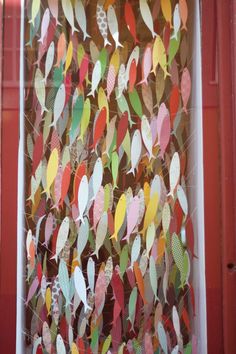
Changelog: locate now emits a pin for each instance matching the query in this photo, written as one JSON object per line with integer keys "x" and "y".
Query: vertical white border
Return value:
{"x": 20, "y": 202}
{"x": 196, "y": 185}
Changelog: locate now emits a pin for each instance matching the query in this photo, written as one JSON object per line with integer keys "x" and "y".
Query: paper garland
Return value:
{"x": 109, "y": 241}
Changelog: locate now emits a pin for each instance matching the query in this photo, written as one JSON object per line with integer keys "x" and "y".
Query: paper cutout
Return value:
{"x": 109, "y": 240}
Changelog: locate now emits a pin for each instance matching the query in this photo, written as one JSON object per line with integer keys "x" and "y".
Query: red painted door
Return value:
{"x": 10, "y": 23}
{"x": 219, "y": 165}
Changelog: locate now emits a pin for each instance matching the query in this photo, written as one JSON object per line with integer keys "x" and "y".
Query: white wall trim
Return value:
{"x": 20, "y": 202}
{"x": 196, "y": 190}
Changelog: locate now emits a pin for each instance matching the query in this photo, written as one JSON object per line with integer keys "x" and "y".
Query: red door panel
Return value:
{"x": 219, "y": 162}
{"x": 9, "y": 157}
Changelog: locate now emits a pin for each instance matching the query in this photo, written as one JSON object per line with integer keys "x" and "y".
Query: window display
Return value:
{"x": 109, "y": 239}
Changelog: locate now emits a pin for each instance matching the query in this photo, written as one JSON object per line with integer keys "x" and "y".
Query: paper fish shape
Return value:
{"x": 44, "y": 25}
{"x": 39, "y": 85}
{"x": 69, "y": 14}
{"x": 62, "y": 237}
{"x": 185, "y": 88}
{"x": 102, "y": 22}
{"x": 177, "y": 21}
{"x": 96, "y": 77}
{"x": 59, "y": 104}
{"x": 183, "y": 9}
{"x": 166, "y": 10}
{"x": 135, "y": 251}
{"x": 136, "y": 149}
{"x": 174, "y": 174}
{"x": 147, "y": 136}
{"x": 146, "y": 64}
{"x": 49, "y": 60}
{"x": 81, "y": 18}
{"x": 113, "y": 25}
{"x": 147, "y": 16}
{"x": 130, "y": 21}
{"x": 119, "y": 215}
{"x": 82, "y": 197}
{"x": 35, "y": 7}
{"x": 80, "y": 287}
{"x": 53, "y": 6}
{"x": 101, "y": 233}
{"x": 51, "y": 170}
{"x": 61, "y": 49}
{"x": 159, "y": 56}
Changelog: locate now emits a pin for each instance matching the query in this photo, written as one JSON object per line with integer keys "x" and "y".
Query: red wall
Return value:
{"x": 219, "y": 164}
{"x": 9, "y": 150}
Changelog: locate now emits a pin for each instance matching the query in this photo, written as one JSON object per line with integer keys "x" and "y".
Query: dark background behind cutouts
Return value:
{"x": 180, "y": 140}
